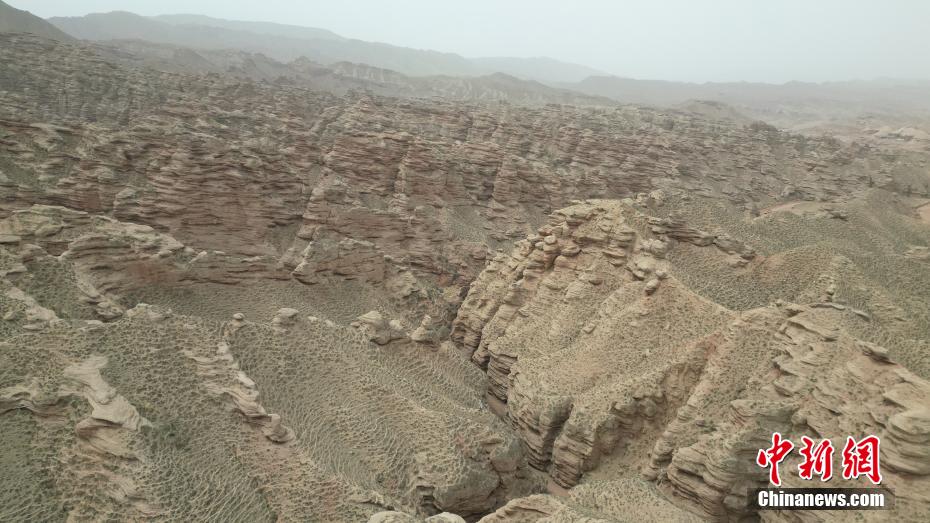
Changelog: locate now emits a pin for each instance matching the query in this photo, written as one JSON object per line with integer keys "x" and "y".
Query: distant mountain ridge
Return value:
{"x": 341, "y": 77}
{"x": 271, "y": 28}
{"x": 269, "y": 51}
{"x": 288, "y": 42}
{"x": 842, "y": 107}
{"x": 542, "y": 69}
{"x": 210, "y": 45}
{"x": 662, "y": 92}
{"x": 17, "y": 20}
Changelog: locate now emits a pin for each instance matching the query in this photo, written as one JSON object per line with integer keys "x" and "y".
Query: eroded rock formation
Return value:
{"x": 600, "y": 358}
{"x": 343, "y": 287}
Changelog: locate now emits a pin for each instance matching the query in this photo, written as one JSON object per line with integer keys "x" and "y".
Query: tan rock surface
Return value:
{"x": 344, "y": 290}
{"x": 607, "y": 364}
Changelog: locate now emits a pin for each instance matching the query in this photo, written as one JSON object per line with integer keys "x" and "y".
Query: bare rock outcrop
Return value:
{"x": 403, "y": 517}
{"x": 577, "y": 295}
{"x": 594, "y": 502}
{"x": 379, "y": 329}
{"x": 631, "y": 342}
{"x": 223, "y": 378}
{"x": 371, "y": 182}
{"x": 104, "y": 450}
{"x": 601, "y": 357}
{"x": 785, "y": 370}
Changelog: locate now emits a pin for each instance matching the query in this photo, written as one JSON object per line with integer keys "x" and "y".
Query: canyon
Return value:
{"x": 236, "y": 297}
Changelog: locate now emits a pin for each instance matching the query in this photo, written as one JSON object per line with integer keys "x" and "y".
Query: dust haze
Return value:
{"x": 707, "y": 41}
{"x": 435, "y": 262}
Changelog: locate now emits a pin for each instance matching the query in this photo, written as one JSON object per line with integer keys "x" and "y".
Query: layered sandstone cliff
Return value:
{"x": 607, "y": 365}
{"x": 341, "y": 287}
{"x": 260, "y": 171}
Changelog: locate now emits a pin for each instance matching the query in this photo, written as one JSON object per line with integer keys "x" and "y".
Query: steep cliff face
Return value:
{"x": 607, "y": 365}
{"x": 153, "y": 414}
{"x": 790, "y": 369}
{"x": 259, "y": 170}
{"x": 609, "y": 278}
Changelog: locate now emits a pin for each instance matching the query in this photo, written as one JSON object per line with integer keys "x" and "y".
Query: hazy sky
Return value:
{"x": 696, "y": 40}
